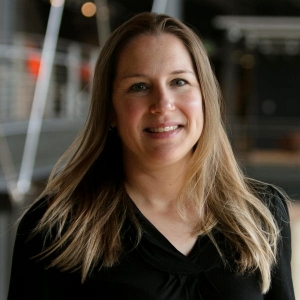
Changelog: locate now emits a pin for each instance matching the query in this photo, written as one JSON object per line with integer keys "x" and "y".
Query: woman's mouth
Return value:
{"x": 161, "y": 129}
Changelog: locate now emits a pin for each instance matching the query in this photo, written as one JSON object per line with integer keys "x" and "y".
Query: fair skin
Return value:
{"x": 159, "y": 117}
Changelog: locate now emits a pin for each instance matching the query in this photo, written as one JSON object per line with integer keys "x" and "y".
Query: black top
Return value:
{"x": 154, "y": 270}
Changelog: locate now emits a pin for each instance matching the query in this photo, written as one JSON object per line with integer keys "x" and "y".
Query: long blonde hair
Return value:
{"x": 87, "y": 201}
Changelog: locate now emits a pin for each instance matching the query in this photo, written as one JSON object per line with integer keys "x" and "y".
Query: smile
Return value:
{"x": 162, "y": 129}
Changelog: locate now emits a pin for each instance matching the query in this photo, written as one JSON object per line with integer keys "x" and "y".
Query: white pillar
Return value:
{"x": 40, "y": 97}
{"x": 169, "y": 7}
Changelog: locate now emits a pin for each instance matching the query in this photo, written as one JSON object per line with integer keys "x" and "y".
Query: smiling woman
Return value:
{"x": 149, "y": 202}
{"x": 157, "y": 104}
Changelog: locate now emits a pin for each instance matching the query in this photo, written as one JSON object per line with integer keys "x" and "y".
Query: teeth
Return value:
{"x": 163, "y": 129}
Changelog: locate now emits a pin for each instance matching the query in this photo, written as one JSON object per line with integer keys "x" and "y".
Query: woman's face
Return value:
{"x": 157, "y": 102}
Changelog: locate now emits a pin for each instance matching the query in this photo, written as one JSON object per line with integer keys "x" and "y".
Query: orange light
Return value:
{"x": 33, "y": 64}
{"x": 85, "y": 72}
{"x": 88, "y": 9}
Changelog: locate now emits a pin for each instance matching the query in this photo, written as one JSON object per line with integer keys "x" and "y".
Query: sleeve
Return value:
{"x": 281, "y": 280}
{"x": 30, "y": 276}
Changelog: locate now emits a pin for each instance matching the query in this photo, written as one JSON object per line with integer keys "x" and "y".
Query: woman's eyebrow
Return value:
{"x": 135, "y": 75}
{"x": 138, "y": 75}
{"x": 183, "y": 71}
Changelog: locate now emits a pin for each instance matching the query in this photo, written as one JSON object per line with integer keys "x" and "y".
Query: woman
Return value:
{"x": 149, "y": 203}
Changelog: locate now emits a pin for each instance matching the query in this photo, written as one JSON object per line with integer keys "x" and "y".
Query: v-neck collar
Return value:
{"x": 159, "y": 252}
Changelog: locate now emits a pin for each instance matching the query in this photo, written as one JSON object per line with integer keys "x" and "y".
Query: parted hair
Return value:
{"x": 88, "y": 204}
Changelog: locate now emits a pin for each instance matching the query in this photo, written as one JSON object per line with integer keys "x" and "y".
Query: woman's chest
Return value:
{"x": 138, "y": 277}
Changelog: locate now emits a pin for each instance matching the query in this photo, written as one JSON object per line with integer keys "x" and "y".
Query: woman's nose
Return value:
{"x": 162, "y": 102}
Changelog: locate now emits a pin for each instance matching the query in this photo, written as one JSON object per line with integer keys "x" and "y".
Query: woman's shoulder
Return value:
{"x": 32, "y": 215}
{"x": 274, "y": 198}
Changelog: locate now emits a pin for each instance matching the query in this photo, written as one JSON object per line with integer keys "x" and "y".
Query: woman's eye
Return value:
{"x": 138, "y": 87}
{"x": 179, "y": 82}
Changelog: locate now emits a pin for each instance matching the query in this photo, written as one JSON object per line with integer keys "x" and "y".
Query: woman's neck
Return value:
{"x": 156, "y": 188}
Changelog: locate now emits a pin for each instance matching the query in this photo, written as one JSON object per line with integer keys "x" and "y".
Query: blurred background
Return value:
{"x": 47, "y": 54}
